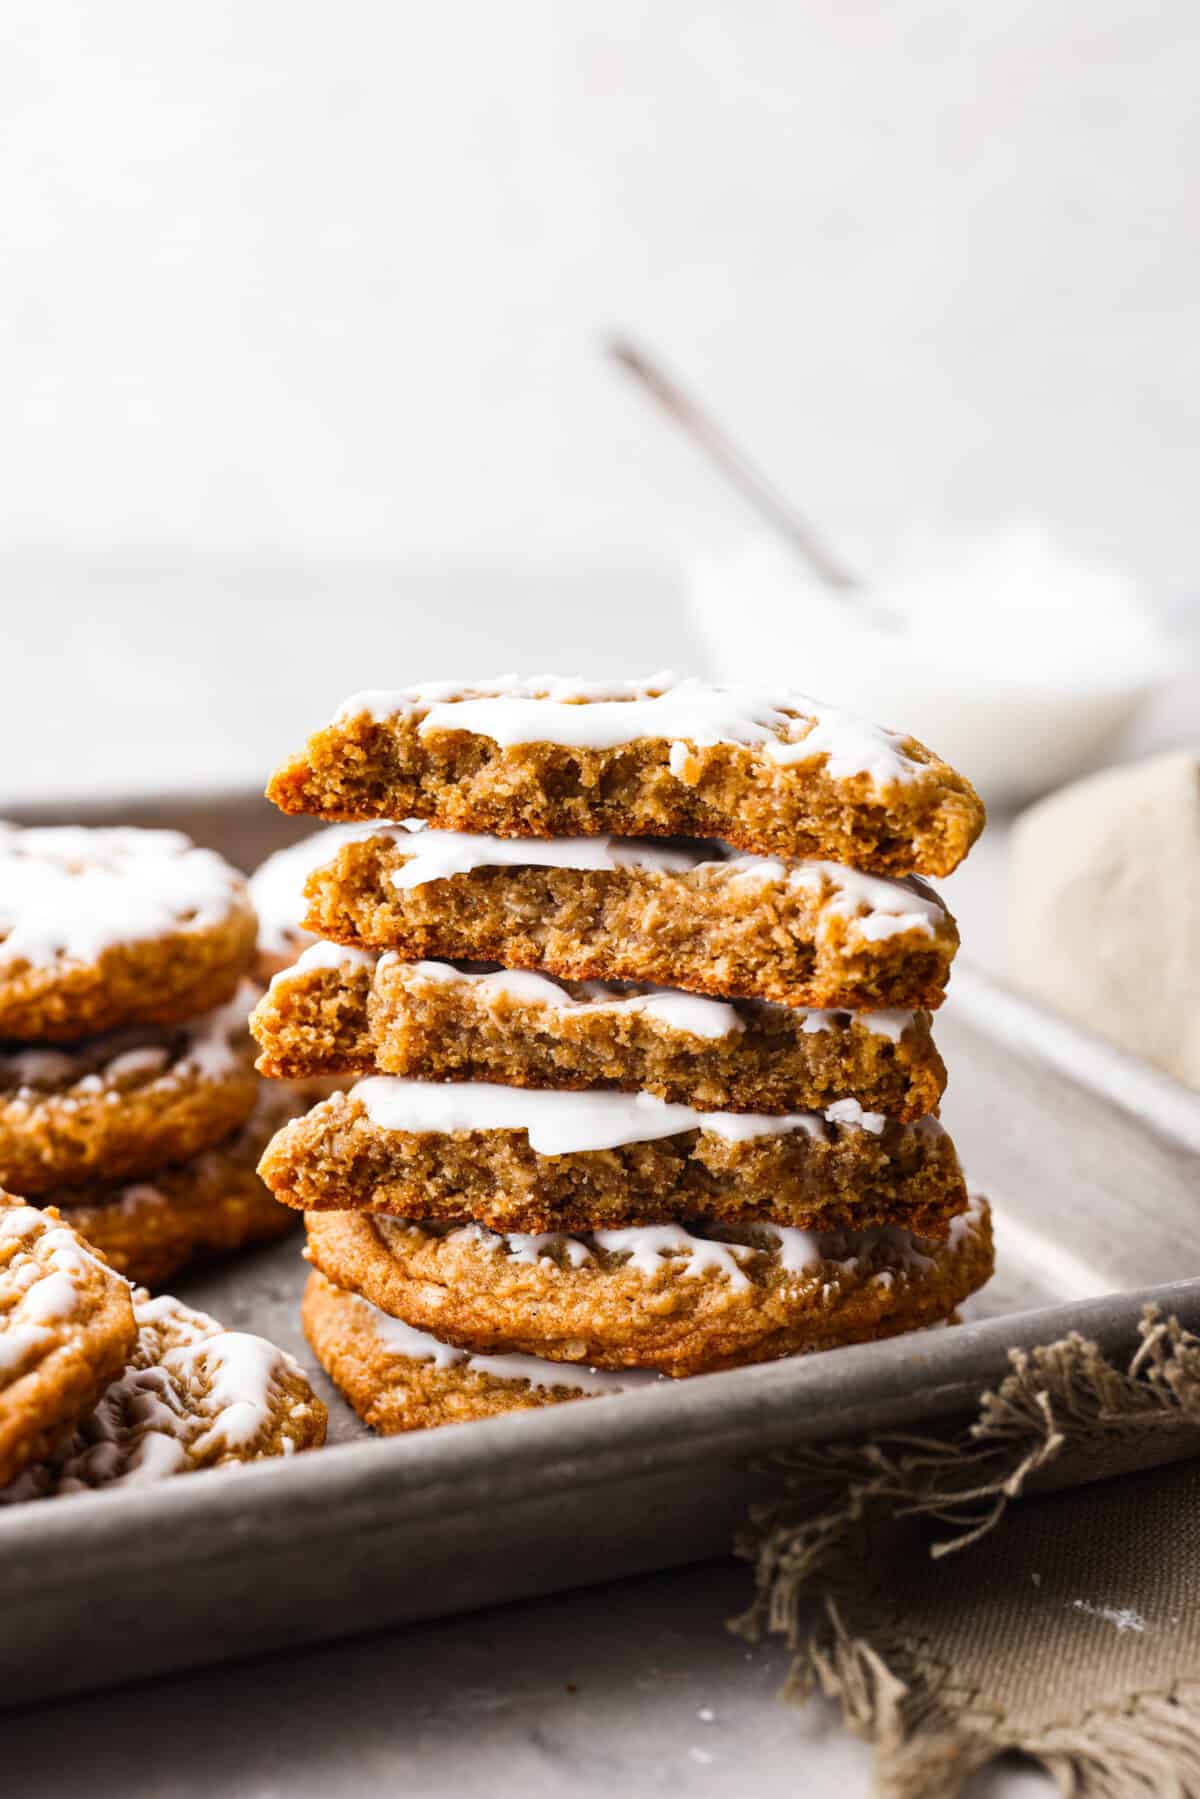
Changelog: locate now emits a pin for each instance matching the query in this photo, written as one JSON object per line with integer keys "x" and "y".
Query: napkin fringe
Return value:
{"x": 1063, "y": 1416}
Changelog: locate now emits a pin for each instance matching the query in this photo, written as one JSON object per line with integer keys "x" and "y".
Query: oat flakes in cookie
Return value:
{"x": 342, "y": 1010}
{"x": 192, "y": 1211}
{"x": 126, "y": 1102}
{"x": 693, "y": 915}
{"x": 66, "y": 1330}
{"x": 678, "y": 1299}
{"x": 777, "y": 773}
{"x": 529, "y": 1160}
{"x": 277, "y": 895}
{"x": 400, "y": 1379}
{"x": 192, "y": 1395}
{"x": 102, "y": 929}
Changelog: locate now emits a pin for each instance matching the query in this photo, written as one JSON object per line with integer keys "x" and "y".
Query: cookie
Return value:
{"x": 682, "y": 1301}
{"x": 101, "y": 929}
{"x": 277, "y": 895}
{"x": 519, "y": 1159}
{"x": 198, "y": 1209}
{"x": 191, "y": 1396}
{"x": 345, "y": 1010}
{"x": 66, "y": 1330}
{"x": 126, "y": 1102}
{"x": 399, "y": 1379}
{"x": 689, "y": 915}
{"x": 777, "y": 774}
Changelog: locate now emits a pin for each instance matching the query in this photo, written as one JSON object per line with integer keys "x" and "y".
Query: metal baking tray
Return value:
{"x": 1092, "y": 1161}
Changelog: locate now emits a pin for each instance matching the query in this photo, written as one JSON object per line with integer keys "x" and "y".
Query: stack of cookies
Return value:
{"x": 639, "y": 995}
{"x": 128, "y": 1096}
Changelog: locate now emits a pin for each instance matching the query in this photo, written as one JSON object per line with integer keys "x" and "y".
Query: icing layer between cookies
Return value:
{"x": 880, "y": 907}
{"x": 691, "y": 1013}
{"x": 789, "y": 727}
{"x": 414, "y": 1345}
{"x": 277, "y": 885}
{"x": 560, "y": 1124}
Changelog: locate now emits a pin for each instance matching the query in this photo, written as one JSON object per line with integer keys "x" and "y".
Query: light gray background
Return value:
{"x": 279, "y": 276}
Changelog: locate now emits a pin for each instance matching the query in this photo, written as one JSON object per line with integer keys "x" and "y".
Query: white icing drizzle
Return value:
{"x": 19, "y": 1343}
{"x": 330, "y": 955}
{"x": 691, "y": 1013}
{"x": 69, "y": 892}
{"x": 538, "y": 1372}
{"x": 966, "y": 1224}
{"x": 790, "y": 727}
{"x": 243, "y": 1386}
{"x": 44, "y": 1273}
{"x": 647, "y": 1246}
{"x": 439, "y": 855}
{"x": 572, "y": 1123}
{"x": 192, "y": 1392}
{"x": 879, "y": 907}
{"x": 526, "y": 1247}
{"x": 277, "y": 885}
{"x": 686, "y": 1254}
{"x": 209, "y": 1046}
{"x": 687, "y": 1012}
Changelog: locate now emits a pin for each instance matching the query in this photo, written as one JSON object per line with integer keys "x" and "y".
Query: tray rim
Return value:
{"x": 738, "y": 1416}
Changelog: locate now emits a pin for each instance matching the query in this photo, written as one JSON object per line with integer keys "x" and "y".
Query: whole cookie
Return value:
{"x": 204, "y": 1207}
{"x": 66, "y": 1328}
{"x": 100, "y": 929}
{"x": 684, "y": 1301}
{"x": 400, "y": 1379}
{"x": 126, "y": 1102}
{"x": 192, "y": 1396}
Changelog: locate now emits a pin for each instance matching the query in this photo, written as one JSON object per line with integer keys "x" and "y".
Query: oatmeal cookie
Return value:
{"x": 520, "y": 1159}
{"x": 776, "y": 774}
{"x": 100, "y": 929}
{"x": 682, "y": 1301}
{"x": 341, "y": 1010}
{"x": 195, "y": 1210}
{"x": 277, "y": 895}
{"x": 127, "y": 1102}
{"x": 66, "y": 1330}
{"x": 688, "y": 915}
{"x": 400, "y": 1379}
{"x": 191, "y": 1396}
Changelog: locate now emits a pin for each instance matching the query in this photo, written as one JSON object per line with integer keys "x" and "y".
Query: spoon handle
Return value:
{"x": 734, "y": 464}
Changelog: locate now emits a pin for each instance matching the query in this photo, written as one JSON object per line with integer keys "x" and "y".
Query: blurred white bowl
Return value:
{"x": 1017, "y": 662}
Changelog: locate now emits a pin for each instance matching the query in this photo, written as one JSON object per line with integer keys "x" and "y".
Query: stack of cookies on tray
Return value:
{"x": 128, "y": 1096}
{"x": 638, "y": 991}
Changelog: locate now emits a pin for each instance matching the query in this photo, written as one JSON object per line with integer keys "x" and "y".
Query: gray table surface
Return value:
{"x": 634, "y": 1688}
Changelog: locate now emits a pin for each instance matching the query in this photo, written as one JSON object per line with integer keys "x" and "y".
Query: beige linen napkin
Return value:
{"x": 1104, "y": 907}
{"x": 953, "y": 1623}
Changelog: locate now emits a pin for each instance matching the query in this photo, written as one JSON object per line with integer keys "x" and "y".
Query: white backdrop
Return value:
{"x": 287, "y": 276}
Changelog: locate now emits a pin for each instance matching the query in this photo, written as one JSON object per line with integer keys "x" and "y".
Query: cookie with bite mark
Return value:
{"x": 776, "y": 773}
